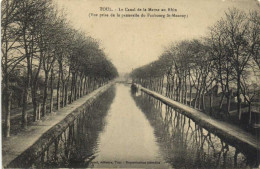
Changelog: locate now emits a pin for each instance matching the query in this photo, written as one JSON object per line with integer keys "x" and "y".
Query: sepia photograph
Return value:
{"x": 138, "y": 84}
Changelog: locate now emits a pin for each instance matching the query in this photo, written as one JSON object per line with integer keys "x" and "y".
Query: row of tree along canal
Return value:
{"x": 42, "y": 52}
{"x": 218, "y": 74}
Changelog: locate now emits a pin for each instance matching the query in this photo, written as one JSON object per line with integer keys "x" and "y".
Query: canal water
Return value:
{"x": 122, "y": 129}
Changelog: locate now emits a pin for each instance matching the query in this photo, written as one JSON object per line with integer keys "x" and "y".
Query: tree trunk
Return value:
{"x": 66, "y": 95}
{"x": 25, "y": 99}
{"x": 211, "y": 100}
{"x": 185, "y": 89}
{"x": 162, "y": 85}
{"x": 190, "y": 95}
{"x": 250, "y": 113}
{"x": 196, "y": 99}
{"x": 172, "y": 88}
{"x": 8, "y": 96}
{"x": 86, "y": 85}
{"x": 179, "y": 91}
{"x": 182, "y": 90}
{"x": 176, "y": 89}
{"x": 34, "y": 79}
{"x": 228, "y": 102}
{"x": 190, "y": 89}
{"x": 167, "y": 87}
{"x": 6, "y": 92}
{"x": 81, "y": 86}
{"x": 72, "y": 88}
{"x": 221, "y": 101}
{"x": 75, "y": 87}
{"x": 51, "y": 85}
{"x": 58, "y": 89}
{"x": 94, "y": 84}
{"x": 199, "y": 101}
{"x": 45, "y": 94}
{"x": 24, "y": 110}
{"x": 89, "y": 85}
{"x": 238, "y": 97}
{"x": 38, "y": 115}
{"x": 203, "y": 101}
{"x": 63, "y": 94}
{"x": 34, "y": 99}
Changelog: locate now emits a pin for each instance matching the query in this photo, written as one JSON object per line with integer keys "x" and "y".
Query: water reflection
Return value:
{"x": 128, "y": 139}
{"x": 184, "y": 144}
{"x": 106, "y": 135}
{"x": 124, "y": 130}
{"x": 76, "y": 146}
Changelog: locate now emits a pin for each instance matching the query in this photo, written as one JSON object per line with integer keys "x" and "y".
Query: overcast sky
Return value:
{"x": 133, "y": 42}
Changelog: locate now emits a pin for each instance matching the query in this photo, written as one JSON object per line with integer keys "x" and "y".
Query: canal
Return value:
{"x": 122, "y": 129}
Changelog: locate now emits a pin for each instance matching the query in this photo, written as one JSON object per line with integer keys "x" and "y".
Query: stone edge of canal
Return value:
{"x": 245, "y": 142}
{"x": 26, "y": 158}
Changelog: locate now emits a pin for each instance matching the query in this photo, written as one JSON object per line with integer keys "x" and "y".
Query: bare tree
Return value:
{"x": 236, "y": 29}
{"x": 222, "y": 64}
{"x": 11, "y": 54}
{"x": 254, "y": 36}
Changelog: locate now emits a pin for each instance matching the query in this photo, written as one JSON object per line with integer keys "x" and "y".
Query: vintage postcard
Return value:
{"x": 130, "y": 84}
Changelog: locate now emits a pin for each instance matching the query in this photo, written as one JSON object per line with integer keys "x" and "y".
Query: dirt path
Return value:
{"x": 13, "y": 146}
